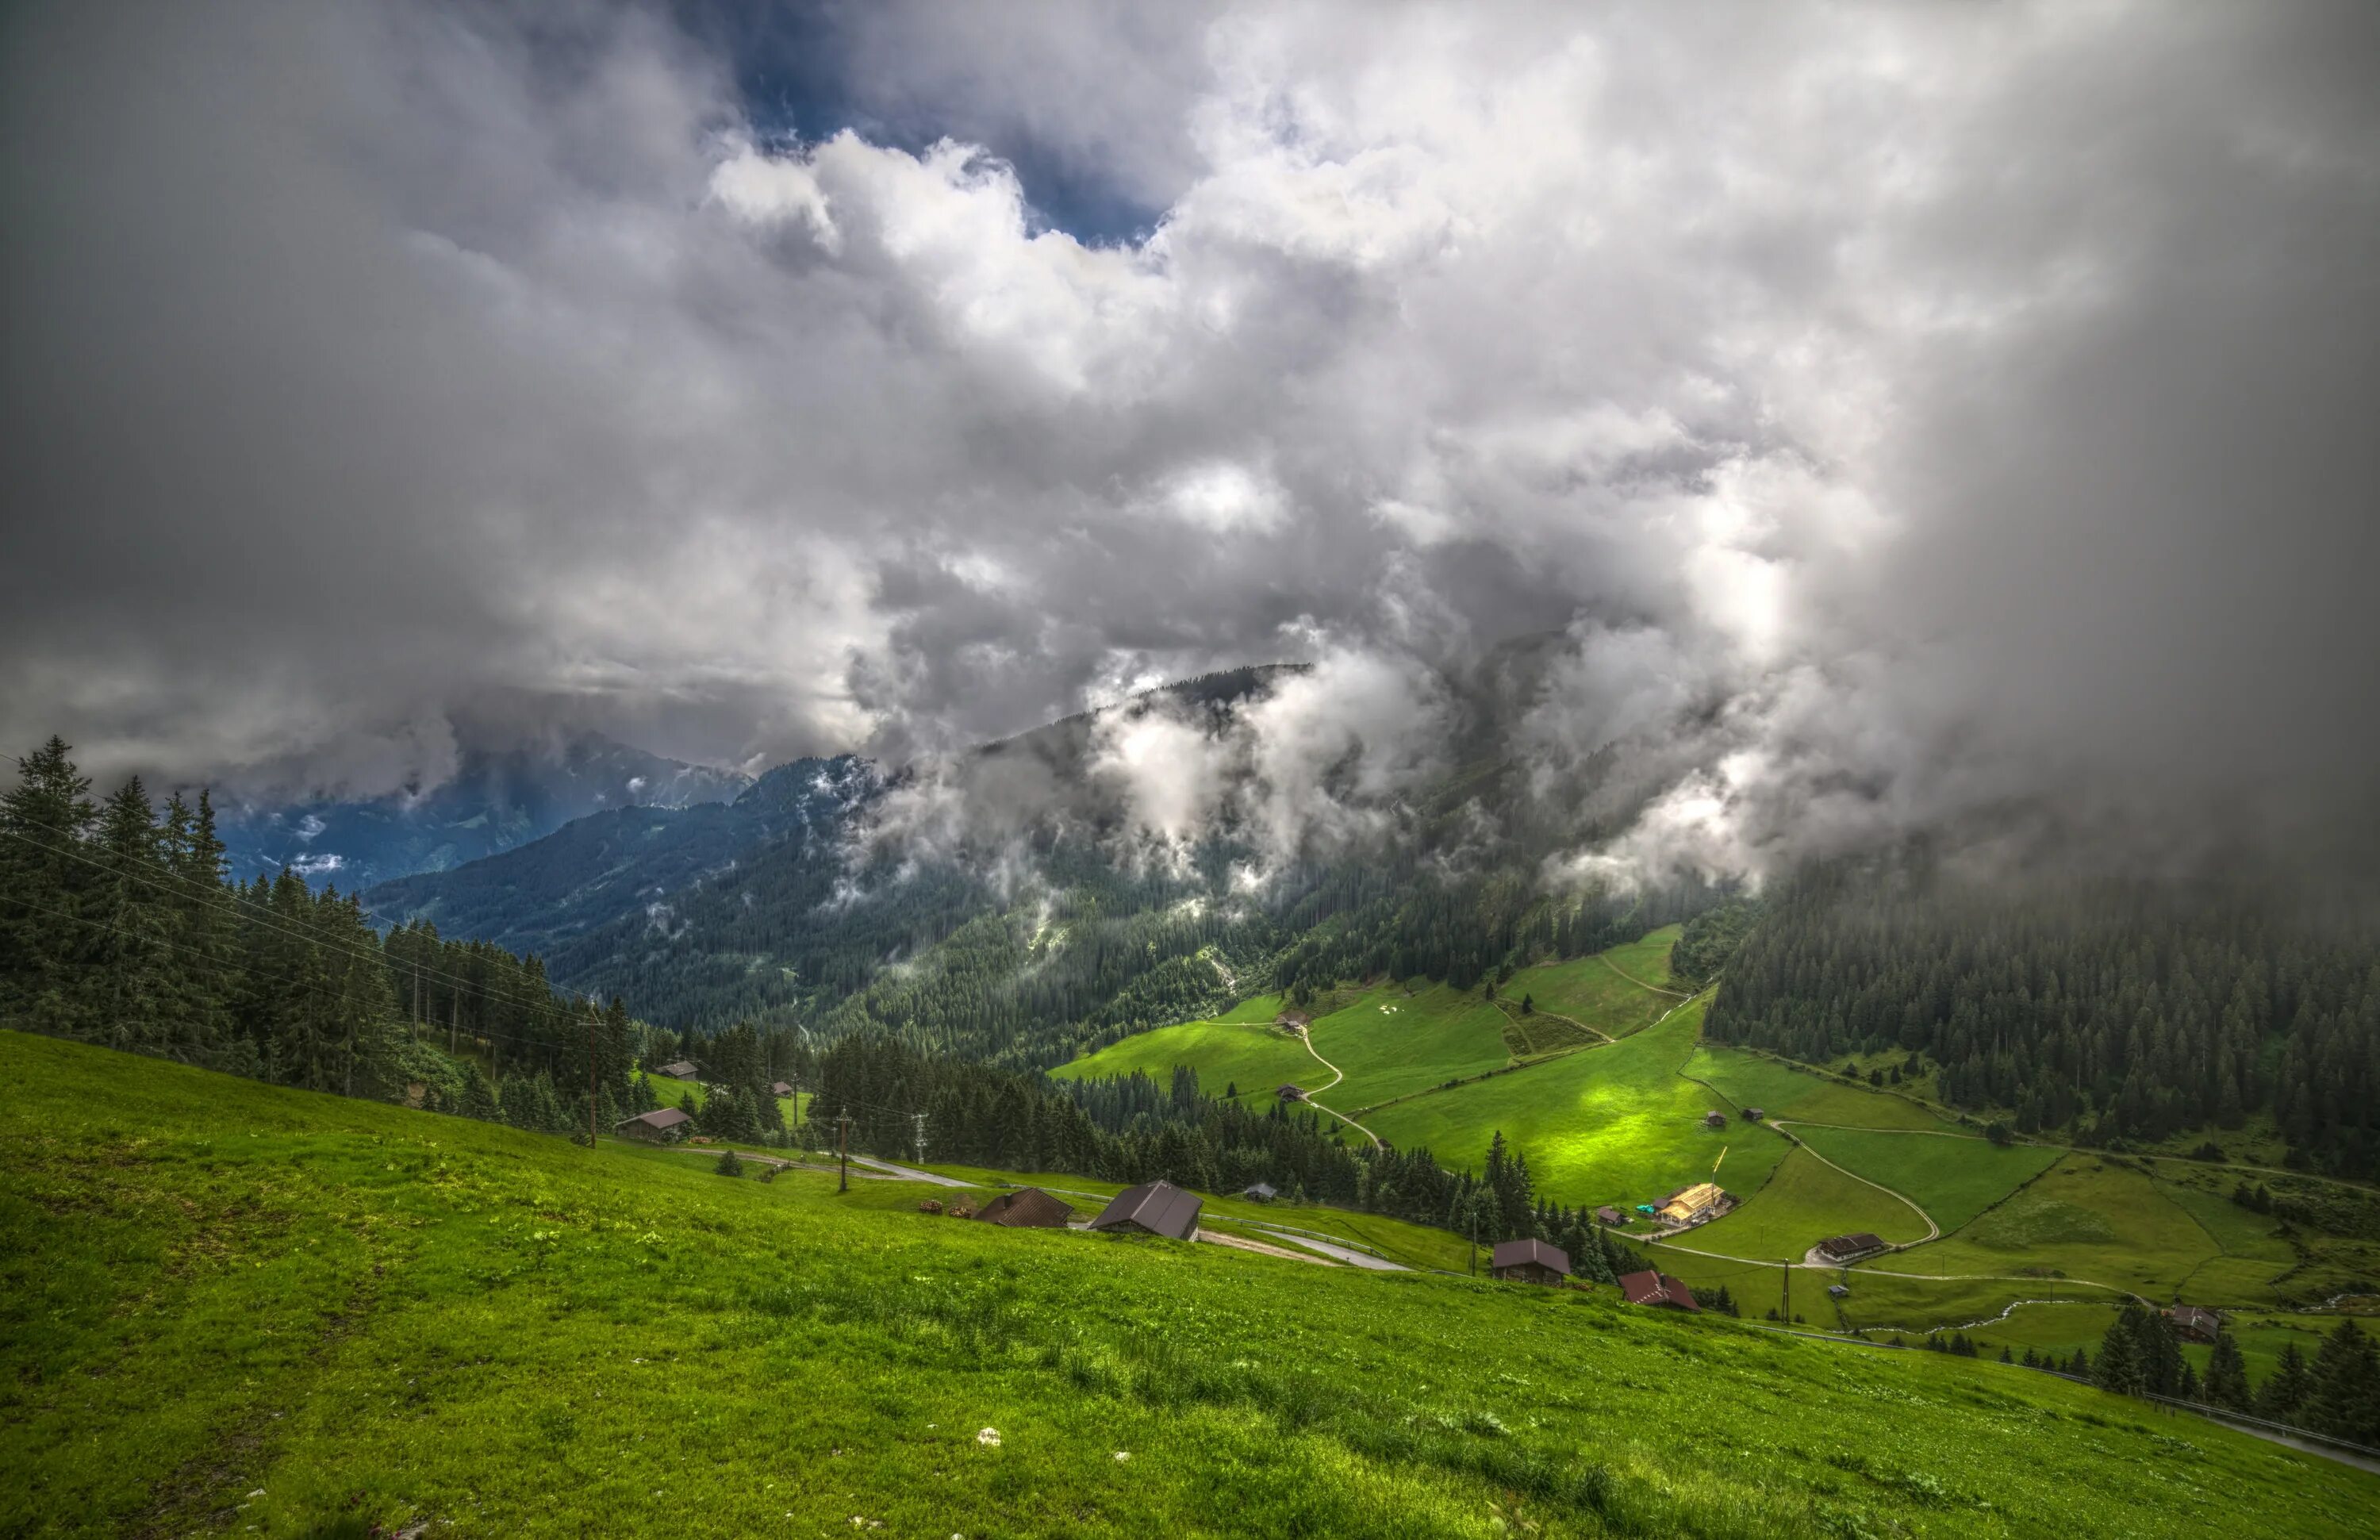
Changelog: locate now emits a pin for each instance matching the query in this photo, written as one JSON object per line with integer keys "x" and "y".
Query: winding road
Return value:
{"x": 1336, "y": 1074}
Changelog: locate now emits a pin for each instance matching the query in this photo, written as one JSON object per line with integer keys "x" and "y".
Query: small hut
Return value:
{"x": 1263, "y": 1191}
{"x": 1714, "y": 1119}
{"x": 664, "y": 1126}
{"x": 1291, "y": 1092}
{"x": 1752, "y": 1114}
{"x": 1028, "y": 1208}
{"x": 1607, "y": 1215}
{"x": 683, "y": 1070}
{"x": 780, "y": 1088}
{"x": 1847, "y": 1248}
{"x": 1649, "y": 1288}
{"x": 1528, "y": 1261}
{"x": 1152, "y": 1208}
{"x": 2194, "y": 1323}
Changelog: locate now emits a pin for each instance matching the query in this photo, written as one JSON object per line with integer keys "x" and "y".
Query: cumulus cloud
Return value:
{"x": 1892, "y": 413}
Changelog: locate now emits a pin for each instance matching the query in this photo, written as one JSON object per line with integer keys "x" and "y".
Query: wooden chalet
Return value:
{"x": 1846, "y": 1248}
{"x": 1528, "y": 1261}
{"x": 2194, "y": 1323}
{"x": 683, "y": 1070}
{"x": 1263, "y": 1191}
{"x": 1658, "y": 1289}
{"x": 1689, "y": 1204}
{"x": 1714, "y": 1119}
{"x": 1607, "y": 1215}
{"x": 1753, "y": 1114}
{"x": 1028, "y": 1208}
{"x": 780, "y": 1088}
{"x": 1293, "y": 1021}
{"x": 664, "y": 1126}
{"x": 1153, "y": 1208}
{"x": 1291, "y": 1092}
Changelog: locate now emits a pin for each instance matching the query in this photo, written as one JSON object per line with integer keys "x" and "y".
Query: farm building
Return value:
{"x": 1658, "y": 1289}
{"x": 780, "y": 1088}
{"x": 1028, "y": 1208}
{"x": 1528, "y": 1261}
{"x": 1714, "y": 1119}
{"x": 1263, "y": 1191}
{"x": 1609, "y": 1216}
{"x": 1293, "y": 1021}
{"x": 1154, "y": 1208}
{"x": 661, "y": 1127}
{"x": 2194, "y": 1323}
{"x": 1843, "y": 1248}
{"x": 1292, "y": 1093}
{"x": 1752, "y": 1114}
{"x": 1838, "y": 1291}
{"x": 1689, "y": 1204}
{"x": 682, "y": 1070}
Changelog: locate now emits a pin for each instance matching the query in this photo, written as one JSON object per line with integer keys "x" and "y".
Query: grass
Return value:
{"x": 1613, "y": 1124}
{"x": 1591, "y": 990}
{"x": 1255, "y": 1058}
{"x": 1953, "y": 1179}
{"x": 1391, "y": 1044}
{"x": 235, "y": 1308}
{"x": 1779, "y": 1090}
{"x": 1804, "y": 1201}
{"x": 2086, "y": 1219}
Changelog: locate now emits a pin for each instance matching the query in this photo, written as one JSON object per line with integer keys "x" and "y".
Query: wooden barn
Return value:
{"x": 1607, "y": 1215}
{"x": 1153, "y": 1208}
{"x": 1028, "y": 1208}
{"x": 1714, "y": 1119}
{"x": 1263, "y": 1191}
{"x": 682, "y": 1070}
{"x": 780, "y": 1088}
{"x": 1658, "y": 1289}
{"x": 2194, "y": 1323}
{"x": 1846, "y": 1248}
{"x": 665, "y": 1126}
{"x": 1528, "y": 1261}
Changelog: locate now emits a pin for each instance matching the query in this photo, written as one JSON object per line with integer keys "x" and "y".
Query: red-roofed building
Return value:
{"x": 1658, "y": 1289}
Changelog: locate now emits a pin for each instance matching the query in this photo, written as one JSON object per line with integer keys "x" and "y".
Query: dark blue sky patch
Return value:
{"x": 790, "y": 65}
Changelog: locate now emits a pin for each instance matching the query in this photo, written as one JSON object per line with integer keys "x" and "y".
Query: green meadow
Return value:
{"x": 1256, "y": 1057}
{"x": 1779, "y": 1090}
{"x": 1804, "y": 1201}
{"x": 1615, "y": 1124}
{"x": 233, "y": 1308}
{"x": 1952, "y": 1179}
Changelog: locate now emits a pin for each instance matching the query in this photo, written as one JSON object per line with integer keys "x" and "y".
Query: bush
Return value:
{"x": 729, "y": 1164}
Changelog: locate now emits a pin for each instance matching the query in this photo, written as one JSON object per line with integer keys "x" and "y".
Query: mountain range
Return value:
{"x": 501, "y": 796}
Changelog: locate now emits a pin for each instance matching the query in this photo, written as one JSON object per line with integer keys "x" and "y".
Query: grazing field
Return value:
{"x": 1781, "y": 1091}
{"x": 1613, "y": 1124}
{"x": 1953, "y": 1179}
{"x": 1254, "y": 1056}
{"x": 1391, "y": 1046}
{"x": 236, "y": 1308}
{"x": 1804, "y": 1201}
{"x": 1593, "y": 991}
{"x": 2084, "y": 1218}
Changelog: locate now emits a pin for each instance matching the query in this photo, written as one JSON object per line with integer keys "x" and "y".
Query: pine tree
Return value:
{"x": 2227, "y": 1373}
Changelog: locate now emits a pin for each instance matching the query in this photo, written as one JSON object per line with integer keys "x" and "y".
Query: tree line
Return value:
{"x": 2115, "y": 1011}
{"x": 2336, "y": 1393}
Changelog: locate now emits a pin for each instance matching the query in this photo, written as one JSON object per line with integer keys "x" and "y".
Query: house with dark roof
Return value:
{"x": 1293, "y": 1021}
{"x": 1846, "y": 1248}
{"x": 2194, "y": 1323}
{"x": 664, "y": 1126}
{"x": 1028, "y": 1208}
{"x": 1658, "y": 1289}
{"x": 1153, "y": 1208}
{"x": 1607, "y": 1215}
{"x": 1263, "y": 1191}
{"x": 1752, "y": 1114}
{"x": 780, "y": 1087}
{"x": 682, "y": 1070}
{"x": 1714, "y": 1119}
{"x": 1528, "y": 1261}
{"x": 1291, "y": 1092}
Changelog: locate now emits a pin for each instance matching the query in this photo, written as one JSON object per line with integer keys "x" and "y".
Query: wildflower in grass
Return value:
{"x": 1122, "y": 1455}
{"x": 989, "y": 1437}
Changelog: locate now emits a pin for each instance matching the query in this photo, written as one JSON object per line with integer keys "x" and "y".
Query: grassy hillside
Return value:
{"x": 233, "y": 1308}
{"x": 1614, "y": 1124}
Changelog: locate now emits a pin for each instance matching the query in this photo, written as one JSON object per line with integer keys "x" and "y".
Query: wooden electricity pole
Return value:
{"x": 591, "y": 1018}
{"x": 1787, "y": 1269}
{"x": 843, "y": 1150}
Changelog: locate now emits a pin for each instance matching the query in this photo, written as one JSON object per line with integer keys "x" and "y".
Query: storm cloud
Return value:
{"x": 1897, "y": 412}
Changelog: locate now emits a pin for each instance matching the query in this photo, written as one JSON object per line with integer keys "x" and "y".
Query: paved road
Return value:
{"x": 1348, "y": 1255}
{"x": 907, "y": 1173}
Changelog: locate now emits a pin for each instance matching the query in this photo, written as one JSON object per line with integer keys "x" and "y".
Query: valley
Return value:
{"x": 285, "y": 1311}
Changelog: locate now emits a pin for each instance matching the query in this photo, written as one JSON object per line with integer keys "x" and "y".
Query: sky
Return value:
{"x": 1893, "y": 410}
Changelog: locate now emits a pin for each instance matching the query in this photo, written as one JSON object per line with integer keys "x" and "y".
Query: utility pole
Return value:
{"x": 918, "y": 1120}
{"x": 843, "y": 1150}
{"x": 591, "y": 1018}
{"x": 1786, "y": 1268}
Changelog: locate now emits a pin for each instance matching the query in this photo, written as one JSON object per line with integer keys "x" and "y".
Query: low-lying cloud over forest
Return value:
{"x": 1899, "y": 412}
